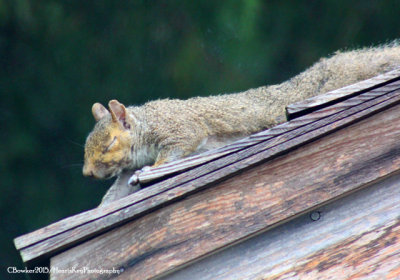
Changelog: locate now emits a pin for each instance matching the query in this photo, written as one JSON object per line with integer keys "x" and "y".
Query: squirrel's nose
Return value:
{"x": 87, "y": 171}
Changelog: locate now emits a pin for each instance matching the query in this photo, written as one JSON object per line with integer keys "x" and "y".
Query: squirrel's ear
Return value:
{"x": 118, "y": 112}
{"x": 99, "y": 111}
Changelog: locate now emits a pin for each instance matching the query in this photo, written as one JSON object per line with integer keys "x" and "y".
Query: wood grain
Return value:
{"x": 356, "y": 237}
{"x": 69, "y": 232}
{"x": 250, "y": 202}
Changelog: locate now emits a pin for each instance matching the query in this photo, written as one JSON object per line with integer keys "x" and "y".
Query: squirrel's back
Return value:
{"x": 257, "y": 109}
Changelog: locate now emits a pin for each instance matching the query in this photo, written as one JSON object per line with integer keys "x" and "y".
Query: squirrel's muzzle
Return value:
{"x": 88, "y": 171}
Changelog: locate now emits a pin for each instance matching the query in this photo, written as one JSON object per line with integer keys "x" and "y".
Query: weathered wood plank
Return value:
{"x": 311, "y": 104}
{"x": 97, "y": 221}
{"x": 356, "y": 237}
{"x": 252, "y": 201}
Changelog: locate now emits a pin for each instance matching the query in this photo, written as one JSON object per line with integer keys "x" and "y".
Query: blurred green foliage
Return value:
{"x": 58, "y": 57}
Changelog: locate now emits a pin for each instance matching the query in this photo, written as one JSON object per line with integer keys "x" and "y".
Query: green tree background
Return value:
{"x": 59, "y": 57}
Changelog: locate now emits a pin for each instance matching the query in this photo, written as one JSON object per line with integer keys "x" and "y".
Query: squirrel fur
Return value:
{"x": 129, "y": 138}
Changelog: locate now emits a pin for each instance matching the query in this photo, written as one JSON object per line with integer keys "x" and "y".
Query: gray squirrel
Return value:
{"x": 126, "y": 139}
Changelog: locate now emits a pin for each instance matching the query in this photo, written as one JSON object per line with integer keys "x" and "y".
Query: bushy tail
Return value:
{"x": 343, "y": 69}
{"x": 340, "y": 70}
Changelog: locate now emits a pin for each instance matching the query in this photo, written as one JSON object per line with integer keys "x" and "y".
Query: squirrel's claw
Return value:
{"x": 135, "y": 177}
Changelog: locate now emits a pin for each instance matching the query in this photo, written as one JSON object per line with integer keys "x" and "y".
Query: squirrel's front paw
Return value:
{"x": 135, "y": 177}
{"x": 145, "y": 168}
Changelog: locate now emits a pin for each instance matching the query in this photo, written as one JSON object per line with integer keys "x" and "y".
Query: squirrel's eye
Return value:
{"x": 110, "y": 145}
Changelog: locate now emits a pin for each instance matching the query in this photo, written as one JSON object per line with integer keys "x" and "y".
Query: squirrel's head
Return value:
{"x": 108, "y": 146}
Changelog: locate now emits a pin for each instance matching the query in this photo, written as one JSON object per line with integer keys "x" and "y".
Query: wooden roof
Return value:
{"x": 198, "y": 205}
